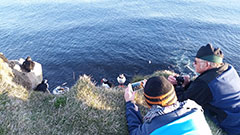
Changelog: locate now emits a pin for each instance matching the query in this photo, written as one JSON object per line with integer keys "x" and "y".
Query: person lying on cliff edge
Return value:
{"x": 216, "y": 89}
{"x": 166, "y": 115}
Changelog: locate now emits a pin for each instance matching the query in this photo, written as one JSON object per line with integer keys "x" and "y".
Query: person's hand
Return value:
{"x": 186, "y": 80}
{"x": 145, "y": 81}
{"x": 172, "y": 79}
{"x": 129, "y": 94}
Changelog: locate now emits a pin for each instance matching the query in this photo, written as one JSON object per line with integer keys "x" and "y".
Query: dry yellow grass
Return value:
{"x": 7, "y": 85}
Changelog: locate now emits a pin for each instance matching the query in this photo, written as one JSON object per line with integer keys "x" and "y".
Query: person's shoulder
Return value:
{"x": 207, "y": 76}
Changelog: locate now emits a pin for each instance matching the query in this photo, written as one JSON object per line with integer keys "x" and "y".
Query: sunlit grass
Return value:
{"x": 88, "y": 93}
{"x": 16, "y": 91}
{"x": 8, "y": 86}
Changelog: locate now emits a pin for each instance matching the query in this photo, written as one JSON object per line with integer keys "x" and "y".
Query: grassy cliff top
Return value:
{"x": 85, "y": 109}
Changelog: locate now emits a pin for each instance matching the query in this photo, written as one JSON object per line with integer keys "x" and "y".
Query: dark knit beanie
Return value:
{"x": 211, "y": 54}
{"x": 159, "y": 91}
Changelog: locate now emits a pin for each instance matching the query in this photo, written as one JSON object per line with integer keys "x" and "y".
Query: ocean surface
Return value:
{"x": 104, "y": 38}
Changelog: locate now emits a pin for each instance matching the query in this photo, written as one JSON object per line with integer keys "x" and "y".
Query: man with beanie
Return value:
{"x": 166, "y": 116}
{"x": 216, "y": 89}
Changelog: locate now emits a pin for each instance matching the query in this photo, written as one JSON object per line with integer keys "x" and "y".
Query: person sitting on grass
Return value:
{"x": 166, "y": 116}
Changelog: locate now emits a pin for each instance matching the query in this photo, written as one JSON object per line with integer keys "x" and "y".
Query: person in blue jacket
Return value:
{"x": 166, "y": 116}
{"x": 216, "y": 89}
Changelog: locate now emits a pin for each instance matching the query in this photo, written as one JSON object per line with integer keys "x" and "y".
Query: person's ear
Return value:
{"x": 204, "y": 65}
{"x": 208, "y": 64}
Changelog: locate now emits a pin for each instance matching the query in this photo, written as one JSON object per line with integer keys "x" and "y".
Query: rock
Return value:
{"x": 11, "y": 72}
{"x": 30, "y": 80}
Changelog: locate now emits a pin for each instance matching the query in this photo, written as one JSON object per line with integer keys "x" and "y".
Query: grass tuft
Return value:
{"x": 60, "y": 102}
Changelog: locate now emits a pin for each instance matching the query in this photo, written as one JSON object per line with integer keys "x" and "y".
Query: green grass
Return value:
{"x": 60, "y": 102}
{"x": 85, "y": 109}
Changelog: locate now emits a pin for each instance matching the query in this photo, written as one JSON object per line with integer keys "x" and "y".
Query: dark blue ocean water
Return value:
{"x": 103, "y": 38}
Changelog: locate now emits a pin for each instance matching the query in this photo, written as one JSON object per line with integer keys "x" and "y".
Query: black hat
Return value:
{"x": 159, "y": 91}
{"x": 211, "y": 54}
